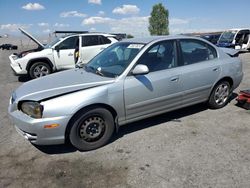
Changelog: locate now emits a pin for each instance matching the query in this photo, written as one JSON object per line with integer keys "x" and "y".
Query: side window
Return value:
{"x": 239, "y": 37}
{"x": 160, "y": 56}
{"x": 69, "y": 43}
{"x": 90, "y": 40}
{"x": 246, "y": 38}
{"x": 194, "y": 51}
{"x": 104, "y": 40}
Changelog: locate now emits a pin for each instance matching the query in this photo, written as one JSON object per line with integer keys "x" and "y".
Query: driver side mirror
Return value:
{"x": 140, "y": 70}
{"x": 57, "y": 48}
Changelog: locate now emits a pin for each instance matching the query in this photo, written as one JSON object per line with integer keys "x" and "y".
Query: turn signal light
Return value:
{"x": 51, "y": 126}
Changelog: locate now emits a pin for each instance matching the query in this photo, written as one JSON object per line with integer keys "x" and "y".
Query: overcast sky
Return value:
{"x": 41, "y": 17}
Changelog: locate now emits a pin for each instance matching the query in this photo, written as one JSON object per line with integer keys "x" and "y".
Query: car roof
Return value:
{"x": 146, "y": 40}
{"x": 237, "y": 29}
{"x": 89, "y": 34}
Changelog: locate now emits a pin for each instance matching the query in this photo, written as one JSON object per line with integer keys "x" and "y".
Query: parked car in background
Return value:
{"x": 213, "y": 38}
{"x": 235, "y": 38}
{"x": 128, "y": 81}
{"x": 62, "y": 53}
{"x": 8, "y": 47}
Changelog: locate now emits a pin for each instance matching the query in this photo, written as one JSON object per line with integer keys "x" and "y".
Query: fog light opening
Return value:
{"x": 20, "y": 66}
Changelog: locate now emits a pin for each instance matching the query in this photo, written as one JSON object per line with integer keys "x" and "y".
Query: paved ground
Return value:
{"x": 192, "y": 147}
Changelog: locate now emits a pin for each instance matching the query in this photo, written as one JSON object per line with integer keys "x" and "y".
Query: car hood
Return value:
{"x": 59, "y": 84}
{"x": 32, "y": 38}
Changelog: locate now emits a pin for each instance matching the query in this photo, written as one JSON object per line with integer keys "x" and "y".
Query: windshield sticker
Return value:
{"x": 136, "y": 46}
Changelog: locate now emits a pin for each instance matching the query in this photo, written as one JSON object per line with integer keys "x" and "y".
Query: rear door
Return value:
{"x": 92, "y": 45}
{"x": 199, "y": 70}
{"x": 158, "y": 90}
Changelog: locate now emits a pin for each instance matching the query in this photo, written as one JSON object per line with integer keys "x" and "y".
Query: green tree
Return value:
{"x": 158, "y": 21}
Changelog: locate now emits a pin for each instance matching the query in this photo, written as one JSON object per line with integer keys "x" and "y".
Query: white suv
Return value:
{"x": 63, "y": 53}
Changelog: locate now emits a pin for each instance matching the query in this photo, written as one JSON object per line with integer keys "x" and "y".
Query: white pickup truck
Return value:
{"x": 63, "y": 53}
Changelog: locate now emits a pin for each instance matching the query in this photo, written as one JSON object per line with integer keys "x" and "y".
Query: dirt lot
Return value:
{"x": 192, "y": 147}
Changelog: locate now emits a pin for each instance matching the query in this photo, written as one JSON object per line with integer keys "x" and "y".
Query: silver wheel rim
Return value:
{"x": 40, "y": 71}
{"x": 221, "y": 94}
{"x": 92, "y": 129}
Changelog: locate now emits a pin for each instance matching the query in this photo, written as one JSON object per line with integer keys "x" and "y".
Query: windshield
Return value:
{"x": 227, "y": 36}
{"x": 112, "y": 61}
{"x": 56, "y": 40}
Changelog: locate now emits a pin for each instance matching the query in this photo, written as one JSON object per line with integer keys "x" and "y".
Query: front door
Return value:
{"x": 64, "y": 57}
{"x": 241, "y": 39}
{"x": 157, "y": 91}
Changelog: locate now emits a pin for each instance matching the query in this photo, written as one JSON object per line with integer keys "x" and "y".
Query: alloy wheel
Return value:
{"x": 40, "y": 71}
{"x": 221, "y": 94}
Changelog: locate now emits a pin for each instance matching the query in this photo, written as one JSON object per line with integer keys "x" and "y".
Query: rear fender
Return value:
{"x": 231, "y": 52}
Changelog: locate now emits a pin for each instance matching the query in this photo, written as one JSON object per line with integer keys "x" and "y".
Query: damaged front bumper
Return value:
{"x": 16, "y": 66}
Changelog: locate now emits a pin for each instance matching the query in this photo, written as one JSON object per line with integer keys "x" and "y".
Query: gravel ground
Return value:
{"x": 191, "y": 147}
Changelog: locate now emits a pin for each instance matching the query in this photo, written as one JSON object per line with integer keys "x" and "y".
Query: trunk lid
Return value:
{"x": 231, "y": 52}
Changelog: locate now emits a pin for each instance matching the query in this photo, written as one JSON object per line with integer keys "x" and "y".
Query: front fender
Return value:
{"x": 69, "y": 104}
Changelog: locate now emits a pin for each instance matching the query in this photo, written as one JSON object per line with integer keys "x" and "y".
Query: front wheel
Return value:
{"x": 92, "y": 129}
{"x": 39, "y": 69}
{"x": 220, "y": 95}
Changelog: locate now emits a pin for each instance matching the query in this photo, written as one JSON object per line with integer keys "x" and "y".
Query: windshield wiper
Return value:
{"x": 98, "y": 71}
{"x": 93, "y": 70}
{"x": 79, "y": 65}
{"x": 89, "y": 68}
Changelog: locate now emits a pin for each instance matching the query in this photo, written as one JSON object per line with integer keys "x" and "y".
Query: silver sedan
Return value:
{"x": 130, "y": 80}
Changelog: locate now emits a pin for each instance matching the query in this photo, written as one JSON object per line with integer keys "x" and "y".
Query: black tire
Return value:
{"x": 220, "y": 95}
{"x": 39, "y": 69}
{"x": 92, "y": 129}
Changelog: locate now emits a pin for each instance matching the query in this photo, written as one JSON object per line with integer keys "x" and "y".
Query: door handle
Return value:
{"x": 102, "y": 48}
{"x": 70, "y": 54}
{"x": 174, "y": 79}
{"x": 216, "y": 69}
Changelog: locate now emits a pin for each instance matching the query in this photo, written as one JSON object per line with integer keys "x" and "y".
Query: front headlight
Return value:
{"x": 15, "y": 57}
{"x": 33, "y": 109}
{"x": 24, "y": 54}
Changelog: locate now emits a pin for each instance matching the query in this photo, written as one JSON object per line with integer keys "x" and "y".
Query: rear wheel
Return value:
{"x": 92, "y": 129}
{"x": 39, "y": 69}
{"x": 220, "y": 95}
